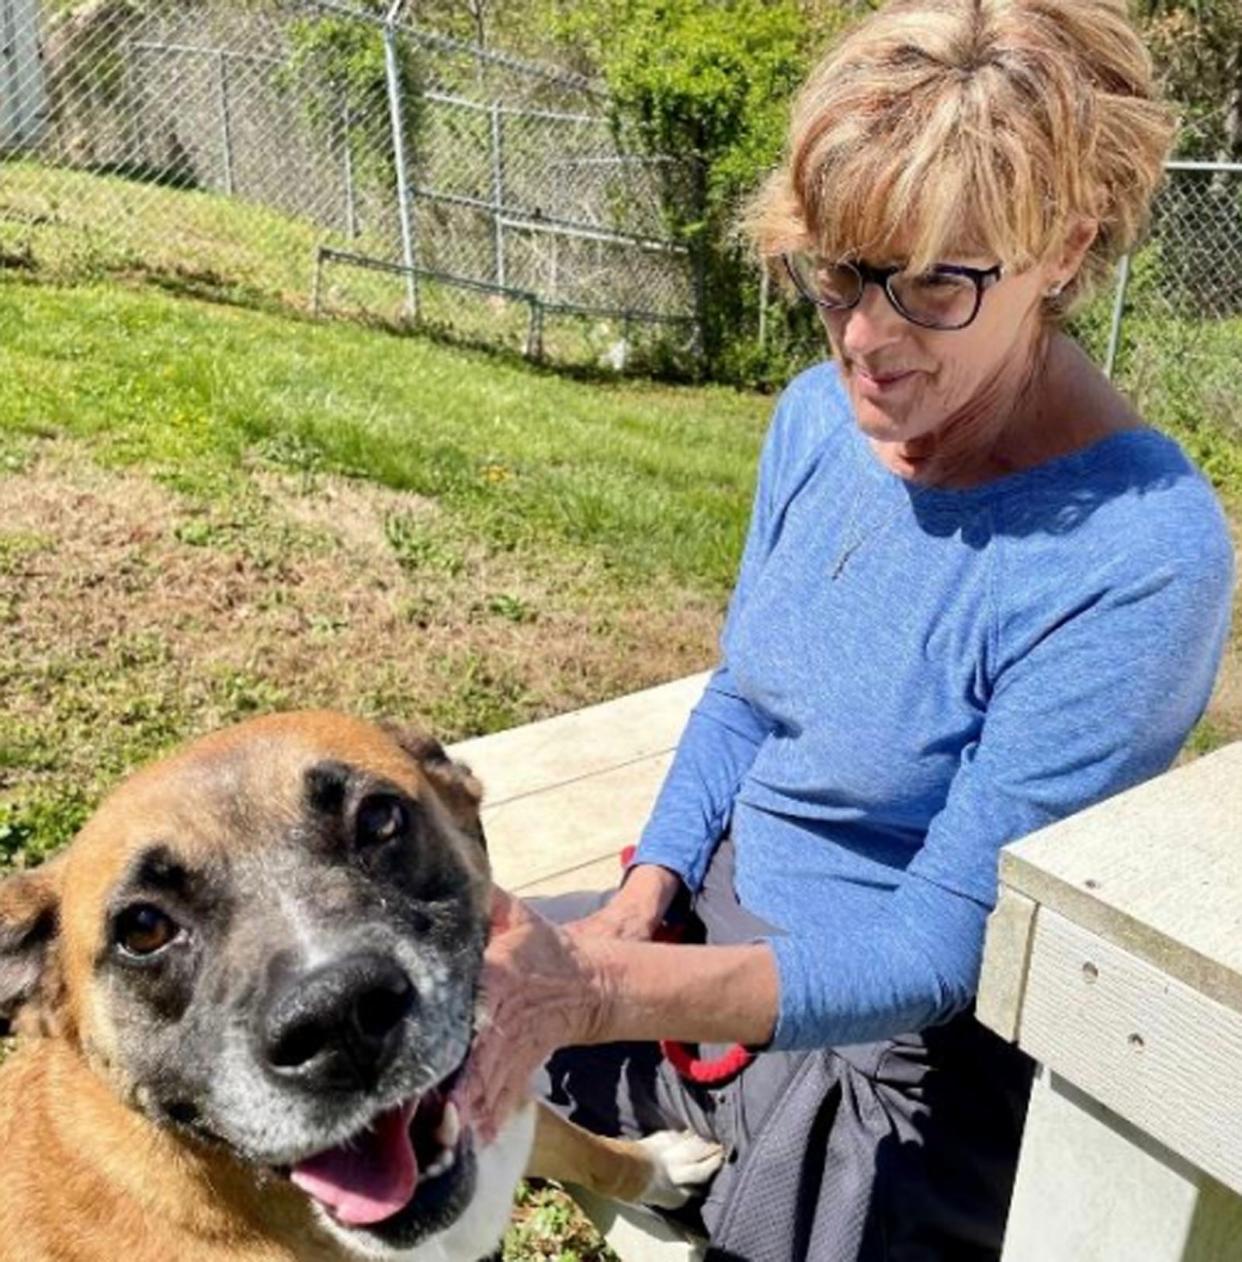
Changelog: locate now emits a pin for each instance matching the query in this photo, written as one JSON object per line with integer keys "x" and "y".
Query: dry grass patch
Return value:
{"x": 136, "y": 616}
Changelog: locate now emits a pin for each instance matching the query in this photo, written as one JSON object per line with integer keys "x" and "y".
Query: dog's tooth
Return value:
{"x": 442, "y": 1164}
{"x": 449, "y": 1130}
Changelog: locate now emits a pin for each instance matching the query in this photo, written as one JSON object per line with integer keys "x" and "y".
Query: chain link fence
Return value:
{"x": 304, "y": 153}
{"x": 1174, "y": 338}
{"x": 301, "y": 150}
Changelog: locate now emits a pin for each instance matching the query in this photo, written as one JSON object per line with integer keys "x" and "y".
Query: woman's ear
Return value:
{"x": 1066, "y": 264}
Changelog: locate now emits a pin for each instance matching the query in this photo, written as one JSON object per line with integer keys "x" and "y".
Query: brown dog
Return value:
{"x": 247, "y": 991}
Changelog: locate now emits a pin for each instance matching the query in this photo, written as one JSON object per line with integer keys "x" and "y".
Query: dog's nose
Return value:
{"x": 338, "y": 1027}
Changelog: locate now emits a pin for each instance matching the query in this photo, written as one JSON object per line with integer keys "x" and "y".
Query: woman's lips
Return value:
{"x": 881, "y": 383}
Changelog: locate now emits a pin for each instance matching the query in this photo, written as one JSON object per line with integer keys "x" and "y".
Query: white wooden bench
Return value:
{"x": 1114, "y": 957}
{"x": 563, "y": 797}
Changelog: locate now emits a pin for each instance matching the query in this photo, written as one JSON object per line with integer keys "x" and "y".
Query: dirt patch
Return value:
{"x": 354, "y": 511}
{"x": 134, "y": 617}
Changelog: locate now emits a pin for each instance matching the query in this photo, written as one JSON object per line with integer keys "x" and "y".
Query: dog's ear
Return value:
{"x": 454, "y": 782}
{"x": 29, "y": 923}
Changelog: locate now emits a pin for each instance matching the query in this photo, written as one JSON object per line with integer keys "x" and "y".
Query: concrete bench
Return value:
{"x": 1114, "y": 957}
{"x": 562, "y": 798}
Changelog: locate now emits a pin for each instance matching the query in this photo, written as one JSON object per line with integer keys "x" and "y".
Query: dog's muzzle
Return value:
{"x": 339, "y": 1031}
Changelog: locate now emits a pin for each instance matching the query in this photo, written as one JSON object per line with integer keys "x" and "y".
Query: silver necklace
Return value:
{"x": 854, "y": 541}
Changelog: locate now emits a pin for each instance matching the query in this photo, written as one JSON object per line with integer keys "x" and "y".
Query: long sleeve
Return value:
{"x": 1085, "y": 704}
{"x": 725, "y": 731}
{"x": 695, "y": 804}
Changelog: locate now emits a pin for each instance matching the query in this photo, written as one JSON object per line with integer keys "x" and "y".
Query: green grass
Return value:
{"x": 69, "y": 224}
{"x": 541, "y": 542}
{"x": 74, "y": 226}
{"x": 653, "y": 480}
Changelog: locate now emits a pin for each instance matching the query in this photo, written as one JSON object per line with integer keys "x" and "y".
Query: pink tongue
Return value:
{"x": 370, "y": 1178}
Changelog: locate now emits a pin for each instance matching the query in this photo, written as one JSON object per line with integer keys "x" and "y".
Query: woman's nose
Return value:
{"x": 872, "y": 325}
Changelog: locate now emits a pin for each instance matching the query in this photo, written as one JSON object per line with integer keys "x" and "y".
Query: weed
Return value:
{"x": 240, "y": 693}
{"x": 200, "y": 533}
{"x": 548, "y": 1227}
{"x": 15, "y": 456}
{"x": 478, "y": 695}
{"x": 18, "y": 546}
{"x": 511, "y": 608}
{"x": 34, "y": 829}
{"x": 418, "y": 548}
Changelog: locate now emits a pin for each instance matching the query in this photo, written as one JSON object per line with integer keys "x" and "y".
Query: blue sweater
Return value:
{"x": 986, "y": 661}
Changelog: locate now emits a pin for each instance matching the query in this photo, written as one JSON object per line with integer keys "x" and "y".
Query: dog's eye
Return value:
{"x": 143, "y": 930}
{"x": 381, "y": 819}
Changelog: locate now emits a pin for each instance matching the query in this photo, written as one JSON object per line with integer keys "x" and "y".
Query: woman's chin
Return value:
{"x": 883, "y": 422}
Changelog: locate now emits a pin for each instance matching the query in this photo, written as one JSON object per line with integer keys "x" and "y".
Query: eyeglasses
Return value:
{"x": 947, "y": 296}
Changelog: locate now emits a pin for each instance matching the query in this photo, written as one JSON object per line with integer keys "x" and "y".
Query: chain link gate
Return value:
{"x": 301, "y": 144}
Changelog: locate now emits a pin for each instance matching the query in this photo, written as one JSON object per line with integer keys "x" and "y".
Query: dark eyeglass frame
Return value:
{"x": 982, "y": 277}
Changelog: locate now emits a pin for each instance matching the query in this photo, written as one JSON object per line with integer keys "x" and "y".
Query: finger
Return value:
{"x": 510, "y": 1097}
{"x": 497, "y": 1079}
{"x": 481, "y": 1120}
{"x": 478, "y": 1108}
{"x": 505, "y": 909}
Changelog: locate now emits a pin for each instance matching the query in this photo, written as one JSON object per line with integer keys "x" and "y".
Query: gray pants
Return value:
{"x": 898, "y": 1151}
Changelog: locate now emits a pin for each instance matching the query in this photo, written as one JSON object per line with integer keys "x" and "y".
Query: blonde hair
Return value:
{"x": 994, "y": 126}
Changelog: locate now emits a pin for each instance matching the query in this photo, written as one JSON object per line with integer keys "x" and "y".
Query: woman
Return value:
{"x": 977, "y": 596}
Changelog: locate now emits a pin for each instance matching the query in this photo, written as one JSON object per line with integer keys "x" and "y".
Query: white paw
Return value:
{"x": 681, "y": 1162}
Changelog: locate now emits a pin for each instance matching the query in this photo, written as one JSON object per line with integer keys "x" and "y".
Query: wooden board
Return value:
{"x": 636, "y": 1234}
{"x": 1007, "y": 950}
{"x": 537, "y": 836}
{"x": 556, "y": 751}
{"x": 562, "y": 797}
{"x": 1151, "y": 1049}
{"x": 1157, "y": 871}
{"x": 1092, "y": 1188}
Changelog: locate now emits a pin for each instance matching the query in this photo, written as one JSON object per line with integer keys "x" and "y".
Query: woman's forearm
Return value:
{"x": 706, "y": 994}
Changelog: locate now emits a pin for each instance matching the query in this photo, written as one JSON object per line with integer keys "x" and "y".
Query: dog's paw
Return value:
{"x": 681, "y": 1162}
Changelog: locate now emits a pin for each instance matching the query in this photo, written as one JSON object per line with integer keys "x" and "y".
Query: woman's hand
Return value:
{"x": 545, "y": 988}
{"x": 636, "y": 910}
{"x": 541, "y": 992}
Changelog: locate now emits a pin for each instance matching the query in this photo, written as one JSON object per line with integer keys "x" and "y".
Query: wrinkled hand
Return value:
{"x": 637, "y": 909}
{"x": 541, "y": 991}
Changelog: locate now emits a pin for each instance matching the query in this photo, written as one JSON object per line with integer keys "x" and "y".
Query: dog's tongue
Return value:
{"x": 368, "y": 1179}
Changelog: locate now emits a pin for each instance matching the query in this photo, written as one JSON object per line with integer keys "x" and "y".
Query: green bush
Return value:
{"x": 710, "y": 84}
{"x": 337, "y": 67}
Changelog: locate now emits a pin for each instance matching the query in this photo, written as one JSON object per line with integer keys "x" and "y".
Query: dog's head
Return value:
{"x": 270, "y": 943}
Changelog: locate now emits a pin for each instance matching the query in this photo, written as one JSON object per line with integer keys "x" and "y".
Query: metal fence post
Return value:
{"x": 1119, "y": 304}
{"x": 765, "y": 286}
{"x": 396, "y": 109}
{"x": 317, "y": 284}
{"x": 226, "y": 130}
{"x": 534, "y": 329}
{"x": 135, "y": 142}
{"x": 351, "y": 199}
{"x": 498, "y": 193}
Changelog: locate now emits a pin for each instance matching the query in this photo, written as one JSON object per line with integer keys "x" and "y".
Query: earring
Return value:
{"x": 1054, "y": 291}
